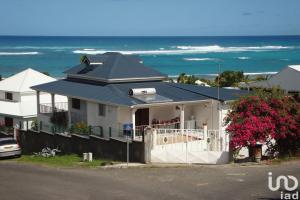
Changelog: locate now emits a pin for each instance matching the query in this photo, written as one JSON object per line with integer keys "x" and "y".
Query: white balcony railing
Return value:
{"x": 59, "y": 107}
{"x": 171, "y": 136}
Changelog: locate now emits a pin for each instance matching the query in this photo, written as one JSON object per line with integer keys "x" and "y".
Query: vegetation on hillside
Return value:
{"x": 225, "y": 79}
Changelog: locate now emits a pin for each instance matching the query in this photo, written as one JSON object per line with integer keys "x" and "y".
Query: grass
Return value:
{"x": 62, "y": 161}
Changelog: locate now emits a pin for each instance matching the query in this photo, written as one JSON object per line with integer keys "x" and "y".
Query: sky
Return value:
{"x": 149, "y": 17}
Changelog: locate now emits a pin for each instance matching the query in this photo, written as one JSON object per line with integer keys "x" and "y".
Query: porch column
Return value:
{"x": 38, "y": 102}
{"x": 69, "y": 112}
{"x": 53, "y": 102}
{"x": 220, "y": 135}
{"x": 133, "y": 122}
{"x": 205, "y": 134}
{"x": 182, "y": 117}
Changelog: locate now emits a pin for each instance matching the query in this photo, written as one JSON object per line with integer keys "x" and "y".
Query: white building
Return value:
{"x": 287, "y": 79}
{"x": 18, "y": 104}
{"x": 111, "y": 91}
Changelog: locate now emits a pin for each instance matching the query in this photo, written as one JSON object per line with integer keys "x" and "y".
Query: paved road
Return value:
{"x": 29, "y": 182}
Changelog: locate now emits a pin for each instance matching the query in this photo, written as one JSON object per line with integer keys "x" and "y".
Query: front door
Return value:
{"x": 142, "y": 117}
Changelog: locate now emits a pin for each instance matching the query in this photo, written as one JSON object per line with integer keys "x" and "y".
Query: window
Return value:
{"x": 8, "y": 96}
{"x": 76, "y": 103}
{"x": 101, "y": 111}
{"x": 9, "y": 122}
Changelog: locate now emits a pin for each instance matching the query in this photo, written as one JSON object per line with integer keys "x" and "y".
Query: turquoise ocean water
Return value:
{"x": 170, "y": 55}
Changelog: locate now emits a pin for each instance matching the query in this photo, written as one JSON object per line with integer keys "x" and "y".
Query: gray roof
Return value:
{"x": 114, "y": 67}
{"x": 118, "y": 93}
{"x": 212, "y": 92}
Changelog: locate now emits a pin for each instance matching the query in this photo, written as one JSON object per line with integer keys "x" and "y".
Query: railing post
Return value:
{"x": 182, "y": 117}
{"x": 205, "y": 133}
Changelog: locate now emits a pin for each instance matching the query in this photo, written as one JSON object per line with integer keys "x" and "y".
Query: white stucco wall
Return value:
{"x": 78, "y": 115}
{"x": 203, "y": 112}
{"x": 109, "y": 121}
{"x": 124, "y": 115}
{"x": 16, "y": 96}
{"x": 165, "y": 112}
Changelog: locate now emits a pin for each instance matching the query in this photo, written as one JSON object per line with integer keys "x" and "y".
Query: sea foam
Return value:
{"x": 244, "y": 58}
{"x": 18, "y": 53}
{"x": 187, "y": 50}
{"x": 200, "y": 59}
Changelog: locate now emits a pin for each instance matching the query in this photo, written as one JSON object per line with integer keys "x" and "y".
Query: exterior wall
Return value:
{"x": 22, "y": 123}
{"x": 107, "y": 122}
{"x": 46, "y": 123}
{"x": 78, "y": 115}
{"x": 124, "y": 115}
{"x": 165, "y": 112}
{"x": 203, "y": 113}
{"x": 16, "y": 96}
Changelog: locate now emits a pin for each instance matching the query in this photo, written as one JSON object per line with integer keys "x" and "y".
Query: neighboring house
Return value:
{"x": 18, "y": 104}
{"x": 111, "y": 90}
{"x": 287, "y": 79}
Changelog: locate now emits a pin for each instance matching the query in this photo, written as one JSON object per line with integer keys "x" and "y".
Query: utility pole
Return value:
{"x": 219, "y": 73}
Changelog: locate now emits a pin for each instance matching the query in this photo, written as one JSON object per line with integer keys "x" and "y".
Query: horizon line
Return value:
{"x": 275, "y": 35}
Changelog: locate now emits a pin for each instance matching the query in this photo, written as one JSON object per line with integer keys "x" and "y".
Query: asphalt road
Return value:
{"x": 30, "y": 182}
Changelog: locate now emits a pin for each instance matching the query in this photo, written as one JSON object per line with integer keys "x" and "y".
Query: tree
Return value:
{"x": 229, "y": 78}
{"x": 262, "y": 117}
{"x": 186, "y": 79}
{"x": 46, "y": 73}
{"x": 249, "y": 122}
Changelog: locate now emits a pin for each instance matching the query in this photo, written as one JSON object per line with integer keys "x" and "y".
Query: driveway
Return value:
{"x": 31, "y": 182}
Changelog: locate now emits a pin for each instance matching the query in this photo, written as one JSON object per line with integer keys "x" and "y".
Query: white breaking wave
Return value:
{"x": 244, "y": 58}
{"x": 142, "y": 52}
{"x": 42, "y": 47}
{"x": 199, "y": 59}
{"x": 186, "y": 50}
{"x": 260, "y": 73}
{"x": 217, "y": 48}
{"x": 18, "y": 53}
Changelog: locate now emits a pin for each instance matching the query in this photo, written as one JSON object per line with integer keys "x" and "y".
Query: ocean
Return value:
{"x": 170, "y": 55}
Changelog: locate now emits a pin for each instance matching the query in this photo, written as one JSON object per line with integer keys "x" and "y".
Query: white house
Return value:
{"x": 111, "y": 91}
{"x": 288, "y": 79}
{"x": 18, "y": 100}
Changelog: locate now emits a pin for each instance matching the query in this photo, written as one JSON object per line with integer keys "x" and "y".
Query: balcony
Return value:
{"x": 59, "y": 107}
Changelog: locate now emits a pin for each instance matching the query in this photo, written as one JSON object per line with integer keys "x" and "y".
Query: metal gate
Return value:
{"x": 188, "y": 146}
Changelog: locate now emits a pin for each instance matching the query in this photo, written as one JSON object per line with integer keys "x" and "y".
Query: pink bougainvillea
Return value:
{"x": 257, "y": 120}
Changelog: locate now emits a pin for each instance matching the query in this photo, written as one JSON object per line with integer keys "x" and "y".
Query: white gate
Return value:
{"x": 189, "y": 146}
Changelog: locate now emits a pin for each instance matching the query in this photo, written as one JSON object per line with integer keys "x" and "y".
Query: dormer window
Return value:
{"x": 8, "y": 96}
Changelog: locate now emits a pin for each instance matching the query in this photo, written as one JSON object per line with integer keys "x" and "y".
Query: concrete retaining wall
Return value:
{"x": 101, "y": 148}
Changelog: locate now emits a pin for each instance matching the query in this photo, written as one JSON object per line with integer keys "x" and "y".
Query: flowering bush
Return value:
{"x": 258, "y": 119}
{"x": 80, "y": 128}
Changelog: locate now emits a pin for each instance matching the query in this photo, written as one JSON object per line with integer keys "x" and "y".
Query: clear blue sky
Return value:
{"x": 149, "y": 17}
